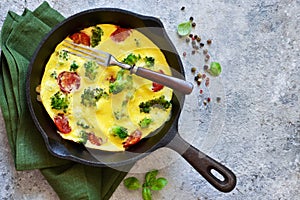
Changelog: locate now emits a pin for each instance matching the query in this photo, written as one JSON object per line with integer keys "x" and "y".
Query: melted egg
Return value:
{"x": 106, "y": 108}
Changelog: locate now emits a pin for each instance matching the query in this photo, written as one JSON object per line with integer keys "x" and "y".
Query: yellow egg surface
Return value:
{"x": 106, "y": 108}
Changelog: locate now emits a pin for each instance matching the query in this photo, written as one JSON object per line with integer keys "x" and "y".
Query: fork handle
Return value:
{"x": 177, "y": 84}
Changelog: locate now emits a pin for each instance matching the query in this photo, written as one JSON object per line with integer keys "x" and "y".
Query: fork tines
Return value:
{"x": 100, "y": 57}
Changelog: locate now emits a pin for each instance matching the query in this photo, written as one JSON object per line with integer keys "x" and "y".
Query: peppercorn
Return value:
{"x": 208, "y": 99}
{"x": 187, "y": 39}
{"x": 208, "y": 41}
{"x": 205, "y": 67}
{"x": 195, "y": 37}
{"x": 193, "y": 24}
{"x": 207, "y": 56}
{"x": 199, "y": 81}
{"x": 193, "y": 69}
{"x": 218, "y": 99}
{"x": 198, "y": 39}
{"x": 193, "y": 52}
{"x": 201, "y": 44}
{"x": 196, "y": 78}
{"x": 203, "y": 76}
{"x": 184, "y": 54}
{"x": 182, "y": 8}
{"x": 191, "y": 35}
{"x": 205, "y": 51}
{"x": 199, "y": 75}
{"x": 193, "y": 42}
{"x": 191, "y": 19}
{"x": 204, "y": 102}
{"x": 201, "y": 91}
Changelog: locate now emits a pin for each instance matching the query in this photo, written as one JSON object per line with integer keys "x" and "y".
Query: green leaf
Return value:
{"x": 150, "y": 177}
{"x": 215, "y": 69}
{"x": 184, "y": 28}
{"x": 159, "y": 184}
{"x": 132, "y": 183}
{"x": 146, "y": 193}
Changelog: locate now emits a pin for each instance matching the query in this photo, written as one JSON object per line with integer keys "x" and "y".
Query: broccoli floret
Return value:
{"x": 161, "y": 102}
{"x": 149, "y": 61}
{"x": 91, "y": 69}
{"x": 59, "y": 101}
{"x": 119, "y": 131}
{"x": 83, "y": 137}
{"x": 122, "y": 82}
{"x": 144, "y": 123}
{"x": 83, "y": 124}
{"x": 97, "y": 32}
{"x": 73, "y": 66}
{"x": 91, "y": 96}
{"x": 131, "y": 59}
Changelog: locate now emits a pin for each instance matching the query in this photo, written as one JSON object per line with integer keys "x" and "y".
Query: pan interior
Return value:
{"x": 150, "y": 27}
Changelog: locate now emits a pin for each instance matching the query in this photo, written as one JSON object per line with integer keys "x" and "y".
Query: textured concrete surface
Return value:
{"x": 254, "y": 130}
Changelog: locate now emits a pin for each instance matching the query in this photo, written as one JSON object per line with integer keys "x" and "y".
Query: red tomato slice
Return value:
{"x": 94, "y": 139}
{"x": 81, "y": 38}
{"x": 132, "y": 139}
{"x": 156, "y": 86}
{"x": 120, "y": 34}
{"x": 62, "y": 123}
{"x": 68, "y": 81}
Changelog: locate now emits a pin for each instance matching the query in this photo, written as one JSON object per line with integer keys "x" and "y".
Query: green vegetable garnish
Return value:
{"x": 122, "y": 82}
{"x": 59, "y": 101}
{"x": 91, "y": 96}
{"x": 91, "y": 69}
{"x": 53, "y": 75}
{"x": 161, "y": 101}
{"x": 119, "y": 131}
{"x": 151, "y": 184}
{"x": 132, "y": 183}
{"x": 131, "y": 59}
{"x": 215, "y": 69}
{"x": 149, "y": 61}
{"x": 97, "y": 32}
{"x": 184, "y": 28}
{"x": 73, "y": 66}
{"x": 144, "y": 123}
{"x": 83, "y": 136}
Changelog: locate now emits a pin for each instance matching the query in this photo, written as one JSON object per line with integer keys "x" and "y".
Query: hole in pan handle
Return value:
{"x": 205, "y": 165}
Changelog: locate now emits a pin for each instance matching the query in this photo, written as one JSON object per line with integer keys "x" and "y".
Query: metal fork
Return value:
{"x": 106, "y": 59}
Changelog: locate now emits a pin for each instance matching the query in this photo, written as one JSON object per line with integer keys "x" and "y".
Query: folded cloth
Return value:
{"x": 20, "y": 36}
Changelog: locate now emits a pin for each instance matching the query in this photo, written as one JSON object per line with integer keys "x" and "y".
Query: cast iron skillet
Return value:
{"x": 167, "y": 136}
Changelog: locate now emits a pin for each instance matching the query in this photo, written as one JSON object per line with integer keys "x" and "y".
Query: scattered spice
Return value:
{"x": 182, "y": 8}
{"x": 193, "y": 24}
{"x": 205, "y": 51}
{"x": 207, "y": 56}
{"x": 208, "y": 99}
{"x": 204, "y": 102}
{"x": 191, "y": 19}
{"x": 203, "y": 76}
{"x": 201, "y": 91}
{"x": 218, "y": 99}
{"x": 201, "y": 44}
{"x": 199, "y": 75}
{"x": 193, "y": 69}
{"x": 193, "y": 52}
{"x": 193, "y": 42}
{"x": 198, "y": 39}
{"x": 187, "y": 39}
{"x": 207, "y": 82}
{"x": 191, "y": 35}
{"x": 184, "y": 54}
{"x": 205, "y": 67}
{"x": 209, "y": 41}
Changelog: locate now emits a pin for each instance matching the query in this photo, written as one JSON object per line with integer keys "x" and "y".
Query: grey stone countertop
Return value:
{"x": 254, "y": 129}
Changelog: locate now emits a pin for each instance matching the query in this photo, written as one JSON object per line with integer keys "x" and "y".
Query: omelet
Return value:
{"x": 106, "y": 108}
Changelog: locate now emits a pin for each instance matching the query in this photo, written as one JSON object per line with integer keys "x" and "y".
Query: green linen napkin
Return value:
{"x": 20, "y": 36}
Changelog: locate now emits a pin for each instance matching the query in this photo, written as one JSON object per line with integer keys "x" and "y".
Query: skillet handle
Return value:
{"x": 204, "y": 165}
